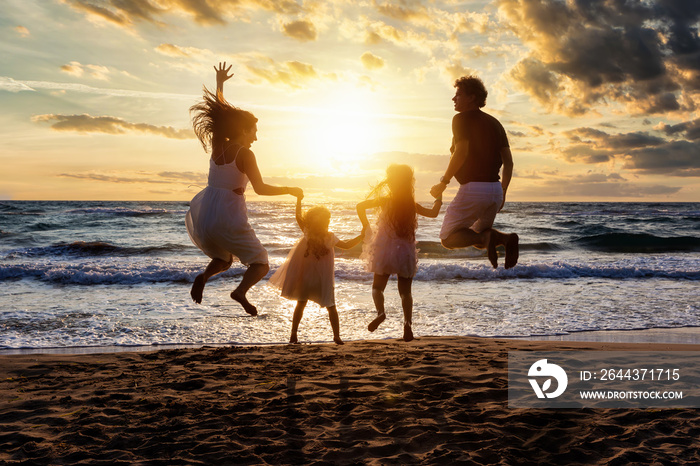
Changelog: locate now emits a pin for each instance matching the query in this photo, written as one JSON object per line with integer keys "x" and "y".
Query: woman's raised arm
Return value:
{"x": 222, "y": 76}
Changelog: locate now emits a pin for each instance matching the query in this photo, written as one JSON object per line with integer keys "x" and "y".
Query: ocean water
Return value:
{"x": 84, "y": 274}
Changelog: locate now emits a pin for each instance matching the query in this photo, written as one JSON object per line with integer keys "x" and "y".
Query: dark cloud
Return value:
{"x": 639, "y": 151}
{"x": 677, "y": 158}
{"x": 109, "y": 125}
{"x": 584, "y": 153}
{"x": 621, "y": 141}
{"x": 690, "y": 129}
{"x": 643, "y": 54}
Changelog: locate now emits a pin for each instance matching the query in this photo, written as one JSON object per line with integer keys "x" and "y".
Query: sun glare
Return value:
{"x": 342, "y": 131}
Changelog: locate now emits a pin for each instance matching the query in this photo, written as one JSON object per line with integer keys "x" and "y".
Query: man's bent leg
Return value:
{"x": 465, "y": 237}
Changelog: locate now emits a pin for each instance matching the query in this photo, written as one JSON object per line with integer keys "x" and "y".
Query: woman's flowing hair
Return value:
{"x": 215, "y": 118}
{"x": 316, "y": 223}
{"x": 400, "y": 207}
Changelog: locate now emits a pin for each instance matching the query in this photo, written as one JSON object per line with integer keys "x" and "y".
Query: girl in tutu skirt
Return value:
{"x": 308, "y": 272}
{"x": 391, "y": 249}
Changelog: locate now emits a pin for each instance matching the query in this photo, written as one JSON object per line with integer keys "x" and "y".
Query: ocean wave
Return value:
{"x": 16, "y": 209}
{"x": 93, "y": 248}
{"x": 126, "y": 211}
{"x": 98, "y": 273}
{"x": 639, "y": 242}
{"x": 102, "y": 274}
{"x": 554, "y": 270}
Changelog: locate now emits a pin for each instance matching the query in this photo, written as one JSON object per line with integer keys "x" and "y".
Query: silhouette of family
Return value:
{"x": 217, "y": 221}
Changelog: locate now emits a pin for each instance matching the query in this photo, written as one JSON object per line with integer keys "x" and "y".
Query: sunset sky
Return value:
{"x": 600, "y": 98}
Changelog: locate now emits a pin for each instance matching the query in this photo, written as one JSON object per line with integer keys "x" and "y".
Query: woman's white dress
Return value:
{"x": 303, "y": 276}
{"x": 217, "y": 220}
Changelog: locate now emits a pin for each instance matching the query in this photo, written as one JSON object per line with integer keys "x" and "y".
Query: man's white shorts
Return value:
{"x": 475, "y": 207}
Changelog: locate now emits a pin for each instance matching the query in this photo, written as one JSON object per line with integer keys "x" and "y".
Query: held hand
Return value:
{"x": 296, "y": 192}
{"x": 222, "y": 73}
{"x": 436, "y": 191}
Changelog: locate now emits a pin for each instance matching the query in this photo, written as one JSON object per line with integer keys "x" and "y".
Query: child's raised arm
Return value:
{"x": 431, "y": 213}
{"x": 362, "y": 210}
{"x": 300, "y": 217}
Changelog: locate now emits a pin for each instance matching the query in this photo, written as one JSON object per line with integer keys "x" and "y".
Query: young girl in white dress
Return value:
{"x": 217, "y": 220}
{"x": 391, "y": 248}
{"x": 308, "y": 272}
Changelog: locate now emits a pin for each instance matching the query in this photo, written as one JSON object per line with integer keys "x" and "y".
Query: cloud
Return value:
{"x": 186, "y": 177}
{"x": 455, "y": 70}
{"x": 677, "y": 158}
{"x": 77, "y": 69}
{"x": 301, "y": 30}
{"x": 537, "y": 80}
{"x": 172, "y": 50}
{"x": 125, "y": 13}
{"x": 371, "y": 61}
{"x": 622, "y": 141}
{"x": 109, "y": 125}
{"x": 644, "y": 55}
{"x": 22, "y": 31}
{"x": 404, "y": 10}
{"x": 73, "y": 68}
{"x": 594, "y": 185}
{"x": 10, "y": 85}
{"x": 181, "y": 178}
{"x": 639, "y": 151}
{"x": 293, "y": 74}
{"x": 691, "y": 129}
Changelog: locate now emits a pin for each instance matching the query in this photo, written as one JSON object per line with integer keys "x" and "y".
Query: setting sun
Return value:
{"x": 342, "y": 131}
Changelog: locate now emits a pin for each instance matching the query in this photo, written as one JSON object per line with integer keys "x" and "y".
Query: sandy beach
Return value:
{"x": 436, "y": 400}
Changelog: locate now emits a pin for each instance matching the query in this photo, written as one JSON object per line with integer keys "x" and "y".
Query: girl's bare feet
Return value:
{"x": 375, "y": 323}
{"x": 294, "y": 340}
{"x": 197, "y": 289}
{"x": 240, "y": 298}
{"x": 407, "y": 332}
{"x": 338, "y": 341}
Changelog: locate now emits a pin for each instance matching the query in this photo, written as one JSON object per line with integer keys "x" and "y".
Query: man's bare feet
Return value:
{"x": 512, "y": 250}
{"x": 375, "y": 323}
{"x": 338, "y": 341}
{"x": 491, "y": 243}
{"x": 407, "y": 332}
{"x": 240, "y": 298}
{"x": 197, "y": 289}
